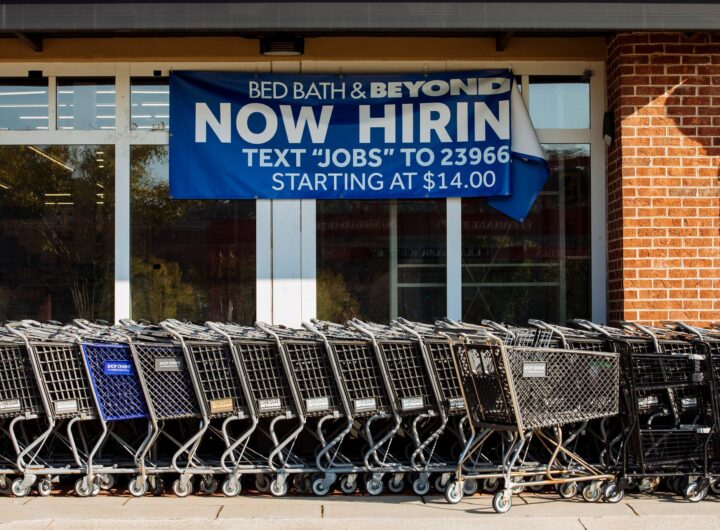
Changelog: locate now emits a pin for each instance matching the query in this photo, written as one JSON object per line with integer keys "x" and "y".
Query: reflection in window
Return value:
{"x": 23, "y": 104}
{"x": 56, "y": 232}
{"x": 539, "y": 268}
{"x": 191, "y": 260}
{"x": 380, "y": 259}
{"x": 86, "y": 103}
{"x": 150, "y": 103}
{"x": 560, "y": 102}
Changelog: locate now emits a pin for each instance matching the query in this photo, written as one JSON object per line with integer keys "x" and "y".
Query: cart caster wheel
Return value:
{"x": 420, "y": 487}
{"x": 715, "y": 487}
{"x": 83, "y": 488}
{"x": 17, "y": 488}
{"x": 518, "y": 488}
{"x": 612, "y": 493}
{"x": 374, "y": 487}
{"x": 106, "y": 482}
{"x": 536, "y": 488}
{"x": 567, "y": 490}
{"x": 231, "y": 487}
{"x": 208, "y": 486}
{"x": 694, "y": 493}
{"x": 302, "y": 484}
{"x": 454, "y": 491}
{"x": 502, "y": 501}
{"x": 592, "y": 492}
{"x": 182, "y": 488}
{"x": 347, "y": 486}
{"x": 262, "y": 483}
{"x": 278, "y": 488}
{"x": 319, "y": 488}
{"x": 44, "y": 487}
{"x": 439, "y": 484}
{"x": 396, "y": 485}
{"x": 135, "y": 489}
{"x": 679, "y": 484}
{"x": 470, "y": 487}
{"x": 490, "y": 485}
{"x": 158, "y": 488}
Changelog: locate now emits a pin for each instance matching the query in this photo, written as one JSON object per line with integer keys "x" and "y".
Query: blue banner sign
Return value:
{"x": 240, "y": 135}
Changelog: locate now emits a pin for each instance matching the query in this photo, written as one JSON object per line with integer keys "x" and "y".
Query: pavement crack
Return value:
{"x": 633, "y": 509}
{"x": 126, "y": 501}
{"x": 582, "y": 524}
{"x": 219, "y": 511}
{"x": 322, "y": 511}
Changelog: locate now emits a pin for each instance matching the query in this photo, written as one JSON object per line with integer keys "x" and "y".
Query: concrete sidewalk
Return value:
{"x": 529, "y": 511}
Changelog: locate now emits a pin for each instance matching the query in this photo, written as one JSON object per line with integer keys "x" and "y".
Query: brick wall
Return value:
{"x": 663, "y": 188}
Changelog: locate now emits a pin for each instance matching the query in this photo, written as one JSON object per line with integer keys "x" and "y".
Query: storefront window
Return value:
{"x": 149, "y": 103}
{"x": 560, "y": 102}
{"x": 539, "y": 268}
{"x": 378, "y": 260}
{"x": 86, "y": 103}
{"x": 23, "y": 104}
{"x": 56, "y": 232}
{"x": 191, "y": 260}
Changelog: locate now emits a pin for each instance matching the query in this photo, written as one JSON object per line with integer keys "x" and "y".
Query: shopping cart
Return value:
{"x": 57, "y": 361}
{"x": 530, "y": 392}
{"x": 413, "y": 397}
{"x": 270, "y": 400}
{"x": 314, "y": 386}
{"x": 170, "y": 396}
{"x": 221, "y": 397}
{"x": 667, "y": 418}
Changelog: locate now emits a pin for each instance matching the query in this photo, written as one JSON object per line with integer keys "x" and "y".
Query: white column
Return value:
{"x": 123, "y": 301}
{"x": 598, "y": 198}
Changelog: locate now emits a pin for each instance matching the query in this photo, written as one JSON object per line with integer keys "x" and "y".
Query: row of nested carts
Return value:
{"x": 590, "y": 410}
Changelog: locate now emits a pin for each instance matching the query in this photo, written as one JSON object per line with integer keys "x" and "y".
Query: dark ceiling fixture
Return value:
{"x": 279, "y": 46}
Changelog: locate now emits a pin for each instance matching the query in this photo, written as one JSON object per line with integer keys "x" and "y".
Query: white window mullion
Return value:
{"x": 454, "y": 257}
{"x": 598, "y": 199}
{"x": 52, "y": 103}
{"x": 123, "y": 301}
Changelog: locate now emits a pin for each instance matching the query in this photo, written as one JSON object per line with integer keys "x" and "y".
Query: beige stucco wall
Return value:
{"x": 316, "y": 48}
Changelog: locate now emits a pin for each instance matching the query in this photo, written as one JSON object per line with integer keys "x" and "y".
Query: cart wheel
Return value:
{"x": 374, "y": 487}
{"x": 470, "y": 487}
{"x": 502, "y": 501}
{"x": 278, "y": 488}
{"x": 567, "y": 490}
{"x": 182, "y": 488}
{"x": 454, "y": 492}
{"x": 319, "y": 488}
{"x": 158, "y": 487}
{"x": 592, "y": 492}
{"x": 17, "y": 488}
{"x": 536, "y": 488}
{"x": 649, "y": 485}
{"x": 518, "y": 488}
{"x": 44, "y": 487}
{"x": 83, "y": 487}
{"x": 694, "y": 493}
{"x": 347, "y": 486}
{"x": 106, "y": 482}
{"x": 231, "y": 487}
{"x": 420, "y": 486}
{"x": 439, "y": 485}
{"x": 262, "y": 483}
{"x": 135, "y": 489}
{"x": 612, "y": 493}
{"x": 5, "y": 485}
{"x": 491, "y": 485}
{"x": 396, "y": 485}
{"x": 208, "y": 486}
{"x": 679, "y": 484}
{"x": 715, "y": 487}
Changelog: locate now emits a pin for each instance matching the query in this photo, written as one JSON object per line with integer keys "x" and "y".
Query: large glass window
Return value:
{"x": 56, "y": 232}
{"x": 23, "y": 104}
{"x": 539, "y": 268}
{"x": 190, "y": 259}
{"x": 150, "y": 103}
{"x": 86, "y": 103}
{"x": 560, "y": 102}
{"x": 381, "y": 259}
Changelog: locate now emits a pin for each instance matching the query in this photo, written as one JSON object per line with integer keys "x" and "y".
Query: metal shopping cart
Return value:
{"x": 530, "y": 392}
